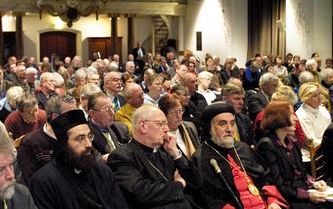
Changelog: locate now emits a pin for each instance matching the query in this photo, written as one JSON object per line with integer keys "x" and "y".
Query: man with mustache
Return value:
{"x": 12, "y": 195}
{"x": 75, "y": 179}
{"x": 244, "y": 185}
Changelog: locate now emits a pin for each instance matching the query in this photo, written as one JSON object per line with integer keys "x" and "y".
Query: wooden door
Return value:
{"x": 103, "y": 46}
{"x": 59, "y": 42}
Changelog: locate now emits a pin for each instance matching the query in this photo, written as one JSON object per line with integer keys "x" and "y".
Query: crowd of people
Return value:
{"x": 166, "y": 132}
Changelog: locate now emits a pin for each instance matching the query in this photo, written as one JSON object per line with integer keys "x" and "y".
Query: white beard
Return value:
{"x": 8, "y": 192}
{"x": 226, "y": 142}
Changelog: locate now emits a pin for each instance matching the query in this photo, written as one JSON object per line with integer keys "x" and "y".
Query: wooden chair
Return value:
{"x": 317, "y": 162}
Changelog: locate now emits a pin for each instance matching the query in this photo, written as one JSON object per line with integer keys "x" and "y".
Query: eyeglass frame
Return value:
{"x": 82, "y": 137}
{"x": 159, "y": 123}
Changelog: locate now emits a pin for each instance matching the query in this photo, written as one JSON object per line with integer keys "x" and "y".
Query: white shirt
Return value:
{"x": 209, "y": 95}
{"x": 314, "y": 123}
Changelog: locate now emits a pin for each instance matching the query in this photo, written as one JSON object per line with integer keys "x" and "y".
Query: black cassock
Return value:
{"x": 58, "y": 186}
{"x": 214, "y": 191}
{"x": 146, "y": 177}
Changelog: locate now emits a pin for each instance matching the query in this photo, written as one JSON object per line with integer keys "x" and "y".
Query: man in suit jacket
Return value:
{"x": 139, "y": 53}
{"x": 112, "y": 88}
{"x": 109, "y": 135}
{"x": 257, "y": 102}
{"x": 150, "y": 177}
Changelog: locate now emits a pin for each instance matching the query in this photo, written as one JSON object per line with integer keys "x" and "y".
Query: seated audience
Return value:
{"x": 154, "y": 89}
{"x": 37, "y": 147}
{"x": 75, "y": 178}
{"x": 238, "y": 180}
{"x": 46, "y": 89}
{"x": 113, "y": 87}
{"x": 8, "y": 103}
{"x": 282, "y": 155}
{"x": 109, "y": 135}
{"x": 134, "y": 99}
{"x": 186, "y": 133}
{"x": 149, "y": 176}
{"x": 257, "y": 102}
{"x": 204, "y": 81}
{"x": 313, "y": 117}
{"x": 28, "y": 117}
{"x": 12, "y": 194}
{"x": 234, "y": 95}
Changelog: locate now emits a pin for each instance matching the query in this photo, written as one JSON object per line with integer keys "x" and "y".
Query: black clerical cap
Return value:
{"x": 210, "y": 112}
{"x": 66, "y": 121}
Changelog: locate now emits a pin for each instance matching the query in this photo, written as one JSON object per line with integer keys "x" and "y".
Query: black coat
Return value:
{"x": 146, "y": 188}
{"x": 256, "y": 103}
{"x": 215, "y": 193}
{"x": 57, "y": 186}
{"x": 118, "y": 132}
{"x": 288, "y": 175}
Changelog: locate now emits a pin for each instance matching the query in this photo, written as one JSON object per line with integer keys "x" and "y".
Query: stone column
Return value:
{"x": 130, "y": 34}
{"x": 114, "y": 34}
{"x": 19, "y": 37}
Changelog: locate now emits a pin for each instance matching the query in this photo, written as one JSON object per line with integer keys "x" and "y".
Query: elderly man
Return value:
{"x": 112, "y": 88}
{"x": 36, "y": 148}
{"x": 46, "y": 89}
{"x": 257, "y": 102}
{"x": 75, "y": 178}
{"x": 12, "y": 195}
{"x": 234, "y": 95}
{"x": 239, "y": 183}
{"x": 109, "y": 135}
{"x": 134, "y": 99}
{"x": 149, "y": 176}
{"x": 26, "y": 118}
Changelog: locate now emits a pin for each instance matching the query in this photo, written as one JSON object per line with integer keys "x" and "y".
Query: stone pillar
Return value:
{"x": 114, "y": 34}
{"x": 130, "y": 34}
{"x": 19, "y": 37}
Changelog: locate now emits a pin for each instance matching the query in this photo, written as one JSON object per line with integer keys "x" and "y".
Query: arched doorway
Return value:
{"x": 59, "y": 42}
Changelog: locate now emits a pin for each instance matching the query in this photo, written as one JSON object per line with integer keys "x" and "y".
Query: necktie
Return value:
{"x": 109, "y": 141}
{"x": 116, "y": 103}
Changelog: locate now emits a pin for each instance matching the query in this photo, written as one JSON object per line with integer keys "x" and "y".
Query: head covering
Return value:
{"x": 306, "y": 90}
{"x": 66, "y": 121}
{"x": 210, "y": 112}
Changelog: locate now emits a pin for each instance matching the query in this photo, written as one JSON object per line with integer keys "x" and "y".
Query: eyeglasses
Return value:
{"x": 81, "y": 138}
{"x": 177, "y": 112}
{"x": 105, "y": 109}
{"x": 159, "y": 123}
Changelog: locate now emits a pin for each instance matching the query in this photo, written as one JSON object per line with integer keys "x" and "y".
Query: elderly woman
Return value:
{"x": 204, "y": 82}
{"x": 155, "y": 89}
{"x": 283, "y": 157}
{"x": 186, "y": 132}
{"x": 313, "y": 117}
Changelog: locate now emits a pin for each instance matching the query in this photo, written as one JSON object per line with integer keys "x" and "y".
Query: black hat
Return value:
{"x": 210, "y": 112}
{"x": 66, "y": 121}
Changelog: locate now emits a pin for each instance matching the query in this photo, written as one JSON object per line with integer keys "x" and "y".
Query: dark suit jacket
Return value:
{"x": 245, "y": 128}
{"x": 118, "y": 132}
{"x": 146, "y": 188}
{"x": 256, "y": 103}
{"x": 135, "y": 52}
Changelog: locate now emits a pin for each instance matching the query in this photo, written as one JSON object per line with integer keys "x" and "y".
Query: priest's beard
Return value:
{"x": 84, "y": 161}
{"x": 225, "y": 142}
{"x": 7, "y": 190}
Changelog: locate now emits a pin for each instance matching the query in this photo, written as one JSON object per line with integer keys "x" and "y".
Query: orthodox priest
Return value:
{"x": 75, "y": 179}
{"x": 232, "y": 177}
